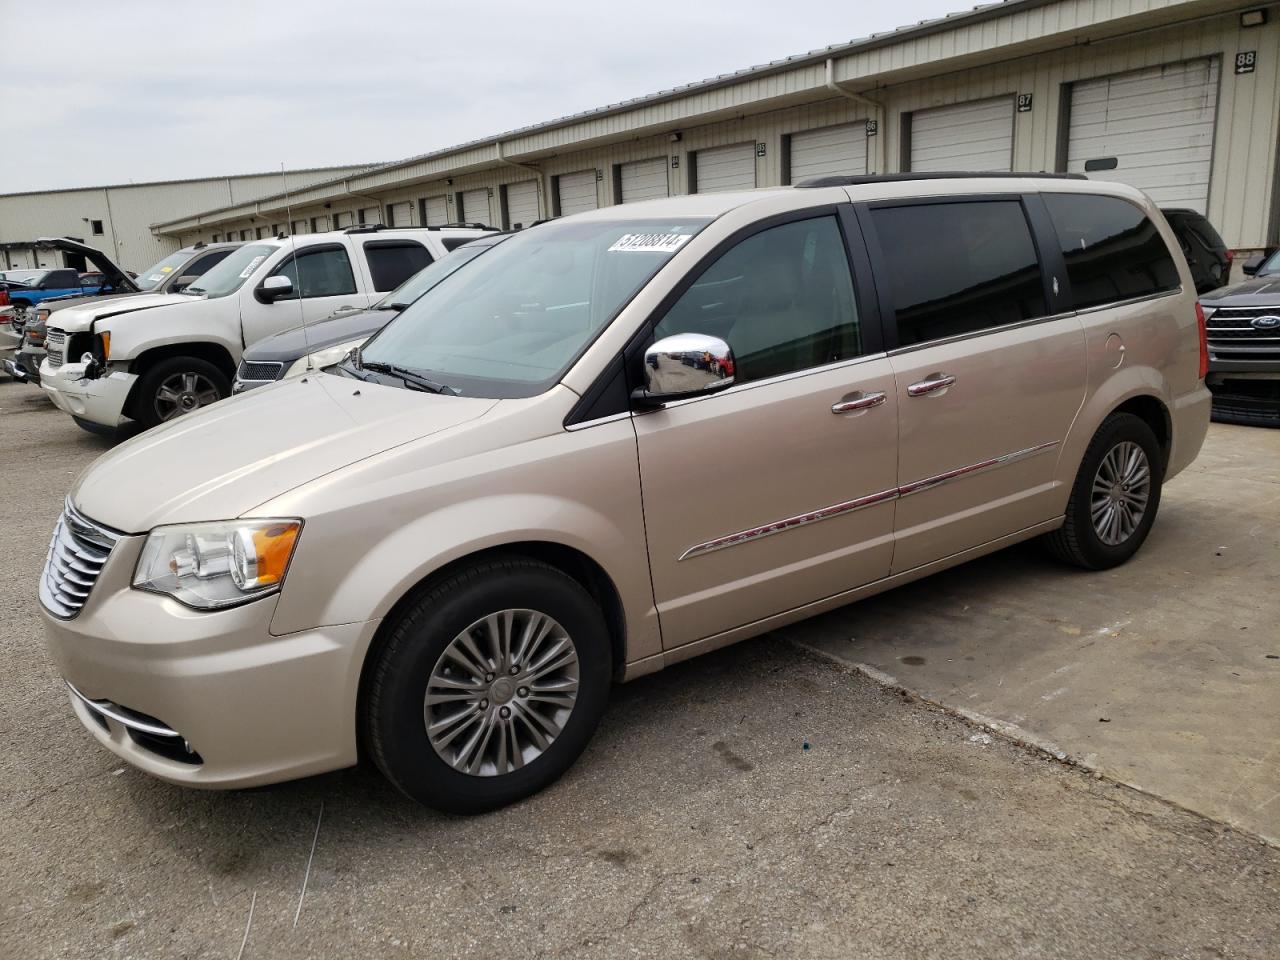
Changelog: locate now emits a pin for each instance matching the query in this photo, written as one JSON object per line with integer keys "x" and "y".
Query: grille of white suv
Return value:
{"x": 55, "y": 345}
{"x": 76, "y": 554}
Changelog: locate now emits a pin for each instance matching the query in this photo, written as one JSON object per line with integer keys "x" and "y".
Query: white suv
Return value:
{"x": 154, "y": 358}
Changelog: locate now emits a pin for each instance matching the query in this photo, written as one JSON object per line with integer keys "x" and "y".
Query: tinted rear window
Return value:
{"x": 1113, "y": 252}
{"x": 959, "y": 267}
{"x": 391, "y": 262}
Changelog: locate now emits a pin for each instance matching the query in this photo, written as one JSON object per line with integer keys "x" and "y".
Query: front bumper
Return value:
{"x": 230, "y": 704}
{"x": 98, "y": 401}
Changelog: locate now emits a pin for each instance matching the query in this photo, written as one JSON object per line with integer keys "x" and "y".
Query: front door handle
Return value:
{"x": 930, "y": 384}
{"x": 864, "y": 402}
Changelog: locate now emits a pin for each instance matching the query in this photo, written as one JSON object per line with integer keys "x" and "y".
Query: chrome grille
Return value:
{"x": 260, "y": 370}
{"x": 1233, "y": 335}
{"x": 55, "y": 344}
{"x": 77, "y": 552}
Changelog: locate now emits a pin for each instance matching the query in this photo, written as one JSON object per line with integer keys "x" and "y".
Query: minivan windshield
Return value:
{"x": 155, "y": 275}
{"x": 432, "y": 274}
{"x": 228, "y": 276}
{"x": 512, "y": 322}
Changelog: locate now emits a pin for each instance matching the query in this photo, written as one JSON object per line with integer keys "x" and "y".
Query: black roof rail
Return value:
{"x": 855, "y": 181}
{"x": 456, "y": 224}
{"x": 365, "y": 228}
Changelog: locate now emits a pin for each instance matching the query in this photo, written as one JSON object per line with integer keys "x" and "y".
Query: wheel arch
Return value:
{"x": 1152, "y": 411}
{"x": 213, "y": 353}
{"x": 579, "y": 566}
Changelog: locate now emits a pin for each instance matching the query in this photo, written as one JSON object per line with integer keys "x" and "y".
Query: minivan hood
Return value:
{"x": 1254, "y": 292}
{"x": 225, "y": 459}
{"x": 79, "y": 318}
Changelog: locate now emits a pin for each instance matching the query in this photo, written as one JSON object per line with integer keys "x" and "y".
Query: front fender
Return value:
{"x": 379, "y": 528}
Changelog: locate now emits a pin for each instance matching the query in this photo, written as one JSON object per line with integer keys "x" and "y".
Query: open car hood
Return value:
{"x": 120, "y": 281}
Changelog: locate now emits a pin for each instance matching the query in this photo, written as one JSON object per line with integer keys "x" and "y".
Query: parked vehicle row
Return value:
{"x": 597, "y": 448}
{"x": 173, "y": 274}
{"x": 163, "y": 355}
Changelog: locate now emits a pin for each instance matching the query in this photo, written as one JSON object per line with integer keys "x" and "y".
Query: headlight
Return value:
{"x": 323, "y": 358}
{"x": 213, "y": 565}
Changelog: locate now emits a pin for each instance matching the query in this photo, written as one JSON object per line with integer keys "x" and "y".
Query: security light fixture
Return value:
{"x": 1253, "y": 18}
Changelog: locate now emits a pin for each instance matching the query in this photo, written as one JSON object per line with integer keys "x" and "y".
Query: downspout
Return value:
{"x": 362, "y": 196}
{"x": 877, "y": 109}
{"x": 544, "y": 194}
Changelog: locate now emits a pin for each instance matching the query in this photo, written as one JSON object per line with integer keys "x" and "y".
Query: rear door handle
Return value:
{"x": 864, "y": 402}
{"x": 930, "y": 384}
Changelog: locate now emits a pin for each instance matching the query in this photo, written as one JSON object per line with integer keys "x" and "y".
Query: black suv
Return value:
{"x": 1207, "y": 256}
{"x": 1243, "y": 324}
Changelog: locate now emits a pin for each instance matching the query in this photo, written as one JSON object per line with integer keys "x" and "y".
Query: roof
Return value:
{"x": 349, "y": 168}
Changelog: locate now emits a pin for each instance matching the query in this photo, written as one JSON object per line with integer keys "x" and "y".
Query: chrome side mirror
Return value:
{"x": 274, "y": 288}
{"x": 685, "y": 365}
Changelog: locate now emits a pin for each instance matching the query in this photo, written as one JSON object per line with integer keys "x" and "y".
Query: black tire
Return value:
{"x": 144, "y": 401}
{"x": 393, "y": 711}
{"x": 1076, "y": 541}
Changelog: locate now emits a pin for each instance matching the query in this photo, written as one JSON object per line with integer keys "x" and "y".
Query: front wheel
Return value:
{"x": 1115, "y": 496}
{"x": 488, "y": 686}
{"x": 176, "y": 387}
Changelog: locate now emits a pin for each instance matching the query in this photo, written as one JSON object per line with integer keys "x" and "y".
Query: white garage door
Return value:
{"x": 578, "y": 192}
{"x": 726, "y": 168}
{"x": 437, "y": 211}
{"x": 371, "y": 215}
{"x": 829, "y": 152}
{"x": 644, "y": 179}
{"x": 522, "y": 203}
{"x": 475, "y": 206}
{"x": 1152, "y": 129}
{"x": 343, "y": 220}
{"x": 400, "y": 214}
{"x": 966, "y": 136}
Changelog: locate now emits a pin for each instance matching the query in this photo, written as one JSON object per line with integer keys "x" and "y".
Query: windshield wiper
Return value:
{"x": 410, "y": 378}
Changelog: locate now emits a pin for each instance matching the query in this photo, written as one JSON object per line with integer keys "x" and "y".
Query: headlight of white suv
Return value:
{"x": 323, "y": 358}
{"x": 214, "y": 565}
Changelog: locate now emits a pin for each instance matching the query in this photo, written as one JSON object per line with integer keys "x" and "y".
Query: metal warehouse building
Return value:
{"x": 118, "y": 219}
{"x": 1178, "y": 97}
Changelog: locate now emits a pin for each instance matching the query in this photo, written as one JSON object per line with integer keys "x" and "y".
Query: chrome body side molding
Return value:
{"x": 848, "y": 506}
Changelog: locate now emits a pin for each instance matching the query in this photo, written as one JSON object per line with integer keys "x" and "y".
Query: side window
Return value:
{"x": 202, "y": 266}
{"x": 59, "y": 279}
{"x": 956, "y": 268}
{"x": 392, "y": 262}
{"x": 782, "y": 299}
{"x": 325, "y": 272}
{"x": 1113, "y": 251}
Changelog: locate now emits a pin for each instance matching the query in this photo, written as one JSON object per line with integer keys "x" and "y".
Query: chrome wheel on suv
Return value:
{"x": 501, "y": 692}
{"x": 182, "y": 393}
{"x": 177, "y": 386}
{"x": 1121, "y": 489}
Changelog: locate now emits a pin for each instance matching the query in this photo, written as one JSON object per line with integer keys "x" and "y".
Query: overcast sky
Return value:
{"x": 134, "y": 90}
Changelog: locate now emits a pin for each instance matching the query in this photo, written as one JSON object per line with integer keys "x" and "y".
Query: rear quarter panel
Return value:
{"x": 1161, "y": 359}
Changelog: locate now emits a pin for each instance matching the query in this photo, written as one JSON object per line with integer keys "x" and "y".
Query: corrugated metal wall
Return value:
{"x": 914, "y": 78}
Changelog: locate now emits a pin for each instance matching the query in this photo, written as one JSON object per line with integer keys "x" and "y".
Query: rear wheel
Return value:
{"x": 176, "y": 387}
{"x": 488, "y": 686}
{"x": 1115, "y": 496}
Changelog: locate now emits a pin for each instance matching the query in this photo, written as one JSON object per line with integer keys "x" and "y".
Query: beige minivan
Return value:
{"x": 616, "y": 441}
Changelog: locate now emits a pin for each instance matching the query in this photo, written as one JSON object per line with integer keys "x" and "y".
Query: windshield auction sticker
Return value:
{"x": 649, "y": 243}
{"x": 252, "y": 265}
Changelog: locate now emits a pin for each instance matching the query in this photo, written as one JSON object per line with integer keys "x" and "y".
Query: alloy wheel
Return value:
{"x": 1121, "y": 492}
{"x": 184, "y": 392}
{"x": 501, "y": 692}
